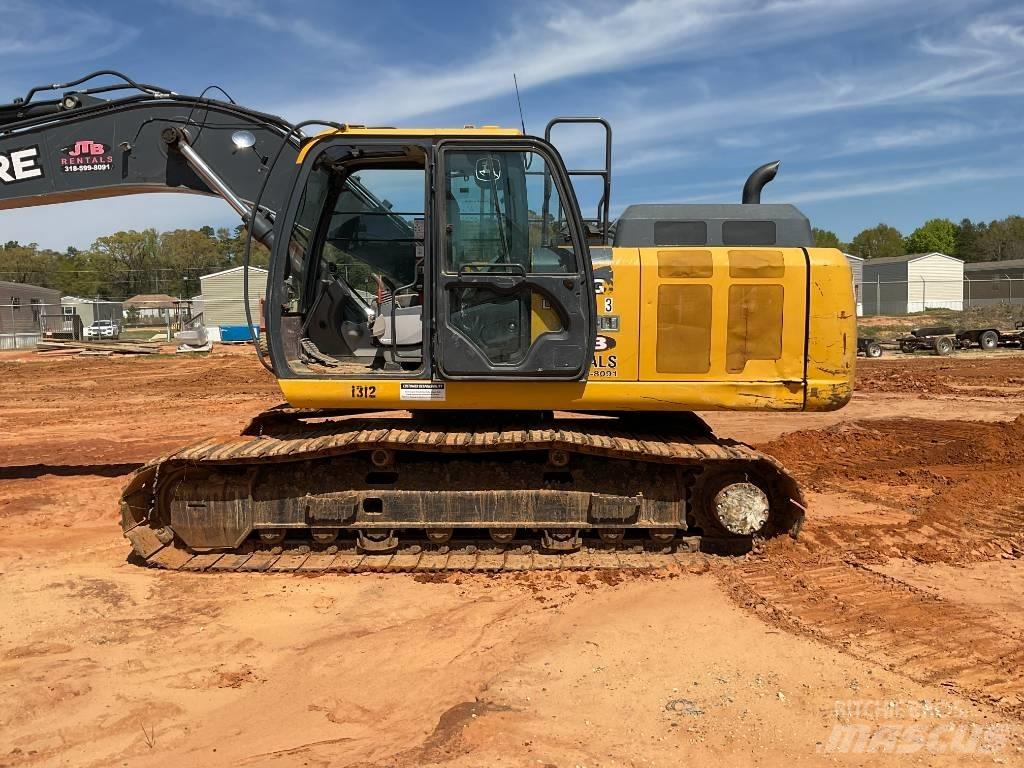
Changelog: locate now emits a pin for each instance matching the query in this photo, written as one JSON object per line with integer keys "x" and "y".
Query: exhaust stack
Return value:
{"x": 757, "y": 180}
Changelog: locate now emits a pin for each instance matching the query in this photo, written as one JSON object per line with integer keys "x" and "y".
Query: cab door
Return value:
{"x": 514, "y": 295}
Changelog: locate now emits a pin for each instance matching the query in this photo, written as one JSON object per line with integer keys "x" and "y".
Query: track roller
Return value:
{"x": 502, "y": 535}
{"x": 271, "y": 537}
{"x": 377, "y": 540}
{"x": 613, "y": 537}
{"x": 439, "y": 536}
{"x": 661, "y": 537}
{"x": 324, "y": 535}
{"x": 561, "y": 539}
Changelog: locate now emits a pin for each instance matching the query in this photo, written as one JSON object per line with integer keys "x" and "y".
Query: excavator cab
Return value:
{"x": 389, "y": 236}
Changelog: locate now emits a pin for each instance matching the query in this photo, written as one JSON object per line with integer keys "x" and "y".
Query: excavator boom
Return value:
{"x": 100, "y": 142}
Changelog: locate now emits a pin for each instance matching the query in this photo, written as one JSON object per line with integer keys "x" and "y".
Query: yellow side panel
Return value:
{"x": 523, "y": 396}
{"x": 750, "y": 262}
{"x": 685, "y": 263}
{"x": 832, "y": 331}
{"x": 723, "y": 314}
{"x": 684, "y": 329}
{"x": 755, "y": 323}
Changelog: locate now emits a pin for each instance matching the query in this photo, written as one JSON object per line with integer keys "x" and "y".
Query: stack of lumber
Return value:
{"x": 55, "y": 348}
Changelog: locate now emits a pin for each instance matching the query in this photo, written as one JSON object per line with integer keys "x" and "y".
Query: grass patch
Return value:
{"x": 888, "y": 327}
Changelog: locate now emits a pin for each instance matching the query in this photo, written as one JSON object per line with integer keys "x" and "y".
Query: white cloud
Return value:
{"x": 58, "y": 30}
{"x": 838, "y": 183}
{"x": 892, "y": 186}
{"x": 288, "y": 21}
{"x": 928, "y": 135}
{"x": 637, "y": 159}
{"x": 572, "y": 42}
{"x": 984, "y": 58}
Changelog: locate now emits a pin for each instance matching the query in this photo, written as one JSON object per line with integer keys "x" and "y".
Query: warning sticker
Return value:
{"x": 432, "y": 391}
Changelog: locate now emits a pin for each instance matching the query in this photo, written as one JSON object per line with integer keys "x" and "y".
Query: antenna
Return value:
{"x": 522, "y": 119}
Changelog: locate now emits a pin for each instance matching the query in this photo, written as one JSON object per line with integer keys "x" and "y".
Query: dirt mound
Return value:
{"x": 960, "y": 482}
{"x": 935, "y": 492}
{"x": 973, "y": 375}
{"x": 851, "y": 449}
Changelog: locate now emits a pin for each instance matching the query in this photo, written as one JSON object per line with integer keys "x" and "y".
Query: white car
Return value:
{"x": 103, "y": 329}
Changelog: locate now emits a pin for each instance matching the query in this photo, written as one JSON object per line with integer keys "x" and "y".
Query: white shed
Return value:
{"x": 857, "y": 268}
{"x": 223, "y": 302}
{"x": 913, "y": 283}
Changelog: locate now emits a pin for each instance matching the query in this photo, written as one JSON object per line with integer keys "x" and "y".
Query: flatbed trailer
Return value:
{"x": 869, "y": 347}
{"x": 941, "y": 340}
{"x": 989, "y": 338}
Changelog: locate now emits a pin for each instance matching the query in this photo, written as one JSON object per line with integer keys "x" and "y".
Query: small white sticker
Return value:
{"x": 432, "y": 391}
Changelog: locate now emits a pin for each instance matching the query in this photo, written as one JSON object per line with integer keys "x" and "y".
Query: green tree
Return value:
{"x": 185, "y": 255}
{"x": 1002, "y": 239}
{"x": 878, "y": 242}
{"x": 968, "y": 240}
{"x": 27, "y": 264}
{"x": 934, "y": 235}
{"x": 133, "y": 256}
{"x": 824, "y": 238}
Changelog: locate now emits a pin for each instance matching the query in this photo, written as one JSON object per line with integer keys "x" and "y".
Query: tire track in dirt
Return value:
{"x": 962, "y": 485}
{"x": 890, "y": 623}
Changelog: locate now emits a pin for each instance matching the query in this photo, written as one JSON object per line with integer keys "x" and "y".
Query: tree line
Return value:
{"x": 971, "y": 241}
{"x": 125, "y": 264}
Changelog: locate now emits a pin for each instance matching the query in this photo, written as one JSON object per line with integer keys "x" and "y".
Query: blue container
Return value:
{"x": 236, "y": 333}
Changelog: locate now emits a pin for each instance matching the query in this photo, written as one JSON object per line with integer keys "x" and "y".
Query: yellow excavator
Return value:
{"x": 477, "y": 376}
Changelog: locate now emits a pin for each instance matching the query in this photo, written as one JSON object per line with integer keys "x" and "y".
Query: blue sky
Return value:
{"x": 880, "y": 110}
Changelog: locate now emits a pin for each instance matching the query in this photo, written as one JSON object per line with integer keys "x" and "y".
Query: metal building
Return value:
{"x": 994, "y": 282}
{"x": 223, "y": 302}
{"x": 857, "y": 268}
{"x": 898, "y": 285}
{"x": 91, "y": 310}
{"x": 21, "y": 309}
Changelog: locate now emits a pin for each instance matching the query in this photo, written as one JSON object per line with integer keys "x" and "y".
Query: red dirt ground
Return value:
{"x": 899, "y": 604}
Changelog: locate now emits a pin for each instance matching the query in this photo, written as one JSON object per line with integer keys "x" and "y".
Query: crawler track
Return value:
{"x": 480, "y": 557}
{"x": 303, "y": 492}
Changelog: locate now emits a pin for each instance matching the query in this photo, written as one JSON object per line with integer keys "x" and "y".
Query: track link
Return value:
{"x": 574, "y": 495}
{"x": 302, "y": 559}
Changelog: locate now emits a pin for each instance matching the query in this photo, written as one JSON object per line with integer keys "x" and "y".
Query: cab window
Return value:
{"x": 504, "y": 213}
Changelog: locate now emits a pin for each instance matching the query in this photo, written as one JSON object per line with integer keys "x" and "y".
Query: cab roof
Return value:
{"x": 354, "y": 129}
{"x": 466, "y": 130}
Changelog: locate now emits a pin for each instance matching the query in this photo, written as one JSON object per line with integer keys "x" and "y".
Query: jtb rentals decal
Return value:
{"x": 604, "y": 364}
{"x": 86, "y": 155}
{"x": 20, "y": 165}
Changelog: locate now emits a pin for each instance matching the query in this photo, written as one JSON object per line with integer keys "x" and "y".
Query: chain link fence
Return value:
{"x": 24, "y": 321}
{"x": 903, "y": 297}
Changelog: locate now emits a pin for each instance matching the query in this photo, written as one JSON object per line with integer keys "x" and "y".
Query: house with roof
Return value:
{"x": 147, "y": 307}
{"x": 899, "y": 285}
{"x": 22, "y": 307}
{"x": 91, "y": 310}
